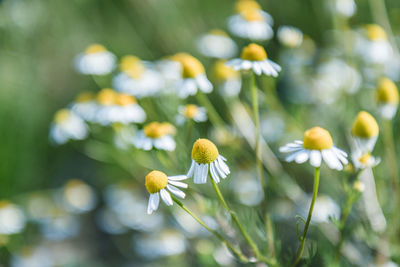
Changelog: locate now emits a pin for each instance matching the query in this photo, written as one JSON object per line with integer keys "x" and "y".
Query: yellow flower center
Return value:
{"x": 155, "y": 181}
{"x": 157, "y": 129}
{"x": 125, "y": 100}
{"x": 204, "y": 151}
{"x": 317, "y": 138}
{"x": 254, "y": 52}
{"x": 191, "y": 66}
{"x": 359, "y": 186}
{"x": 5, "y": 203}
{"x": 106, "y": 97}
{"x": 387, "y": 92}
{"x": 375, "y": 32}
{"x": 132, "y": 66}
{"x": 222, "y": 72}
{"x": 243, "y": 5}
{"x": 365, "y": 159}
{"x": 62, "y": 115}
{"x": 218, "y": 32}
{"x": 190, "y": 111}
{"x": 252, "y": 15}
{"x": 95, "y": 48}
{"x": 84, "y": 97}
{"x": 365, "y": 126}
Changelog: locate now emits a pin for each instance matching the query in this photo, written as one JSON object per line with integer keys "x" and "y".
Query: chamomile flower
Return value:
{"x": 67, "y": 126}
{"x": 205, "y": 159}
{"x": 228, "y": 80}
{"x": 116, "y": 107}
{"x": 96, "y": 60}
{"x": 363, "y": 160}
{"x": 78, "y": 197}
{"x": 217, "y": 44}
{"x": 12, "y": 219}
{"x": 250, "y": 22}
{"x": 290, "y": 36}
{"x": 317, "y": 145}
{"x": 388, "y": 98}
{"x": 191, "y": 112}
{"x": 157, "y": 135}
{"x": 255, "y": 58}
{"x": 157, "y": 183}
{"x": 193, "y": 76}
{"x": 137, "y": 78}
{"x": 365, "y": 131}
{"x": 85, "y": 106}
{"x": 346, "y": 8}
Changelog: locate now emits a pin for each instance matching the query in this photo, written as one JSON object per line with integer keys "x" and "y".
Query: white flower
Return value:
{"x": 85, "y": 106}
{"x": 205, "y": 157}
{"x": 290, "y": 36}
{"x": 12, "y": 219}
{"x": 67, "y": 126}
{"x": 346, "y": 8}
{"x": 156, "y": 135}
{"x": 365, "y": 132}
{"x": 96, "y": 60}
{"x": 157, "y": 184}
{"x": 388, "y": 98}
{"x": 255, "y": 58}
{"x": 228, "y": 80}
{"x": 363, "y": 160}
{"x": 78, "y": 197}
{"x": 217, "y": 44}
{"x": 191, "y": 112}
{"x": 316, "y": 146}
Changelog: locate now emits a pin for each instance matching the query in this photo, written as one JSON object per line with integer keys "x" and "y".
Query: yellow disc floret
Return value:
{"x": 95, "y": 48}
{"x": 252, "y": 15}
{"x": 375, "y": 32}
{"x": 365, "y": 126}
{"x": 106, "y": 97}
{"x": 84, "y": 97}
{"x": 387, "y": 92}
{"x": 156, "y": 129}
{"x": 125, "y": 100}
{"x": 155, "y": 181}
{"x": 5, "y": 203}
{"x": 365, "y": 159}
{"x": 218, "y": 32}
{"x": 204, "y": 151}
{"x": 190, "y": 111}
{"x": 222, "y": 72}
{"x": 132, "y": 66}
{"x": 317, "y": 138}
{"x": 359, "y": 186}
{"x": 254, "y": 52}
{"x": 243, "y": 5}
{"x": 191, "y": 66}
{"x": 62, "y": 115}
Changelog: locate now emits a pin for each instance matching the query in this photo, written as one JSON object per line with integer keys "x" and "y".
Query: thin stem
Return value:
{"x": 314, "y": 197}
{"x": 215, "y": 118}
{"x": 240, "y": 226}
{"x": 234, "y": 250}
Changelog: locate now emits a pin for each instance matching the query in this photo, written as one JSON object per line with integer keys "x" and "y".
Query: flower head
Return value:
{"x": 228, "y": 79}
{"x": 254, "y": 52}
{"x": 67, "y": 126}
{"x": 317, "y": 145}
{"x": 106, "y": 97}
{"x": 217, "y": 44}
{"x": 95, "y": 60}
{"x": 243, "y": 5}
{"x": 132, "y": 66}
{"x": 205, "y": 156}
{"x": 191, "y": 112}
{"x": 362, "y": 160}
{"x": 157, "y": 183}
{"x": 85, "y": 106}
{"x": 359, "y": 186}
{"x": 388, "y": 98}
{"x": 155, "y": 134}
{"x": 375, "y": 32}
{"x": 365, "y": 126}
{"x": 290, "y": 36}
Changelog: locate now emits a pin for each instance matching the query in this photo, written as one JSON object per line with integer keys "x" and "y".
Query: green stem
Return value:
{"x": 240, "y": 226}
{"x": 234, "y": 250}
{"x": 215, "y": 118}
{"x": 314, "y": 197}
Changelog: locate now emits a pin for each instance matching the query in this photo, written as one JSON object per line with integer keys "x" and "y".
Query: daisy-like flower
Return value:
{"x": 217, "y": 44}
{"x": 346, "y": 8}
{"x": 155, "y": 134}
{"x": 228, "y": 80}
{"x": 114, "y": 107}
{"x": 137, "y": 78}
{"x": 96, "y": 60}
{"x": 255, "y": 58}
{"x": 365, "y": 131}
{"x": 191, "y": 112}
{"x": 157, "y": 183}
{"x": 388, "y": 98}
{"x": 12, "y": 218}
{"x": 67, "y": 126}
{"x": 250, "y": 22}
{"x": 205, "y": 157}
{"x": 359, "y": 186}
{"x": 85, "y": 106}
{"x": 290, "y": 36}
{"x": 364, "y": 160}
{"x": 78, "y": 197}
{"x": 193, "y": 76}
{"x": 317, "y": 145}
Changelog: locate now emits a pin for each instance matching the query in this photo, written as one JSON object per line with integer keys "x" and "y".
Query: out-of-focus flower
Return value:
{"x": 137, "y": 78}
{"x": 346, "y": 8}
{"x": 205, "y": 156}
{"x": 365, "y": 131}
{"x": 317, "y": 144}
{"x": 290, "y": 36}
{"x": 171, "y": 73}
{"x": 155, "y": 134}
{"x": 108, "y": 221}
{"x": 362, "y": 161}
{"x": 67, "y": 126}
{"x": 60, "y": 225}
{"x": 324, "y": 209}
{"x": 123, "y": 135}
{"x": 32, "y": 257}
{"x": 78, "y": 197}
{"x": 85, "y": 106}
{"x": 388, "y": 98}
{"x": 113, "y": 107}
{"x": 247, "y": 188}
{"x": 228, "y": 80}
{"x": 191, "y": 112}
{"x": 157, "y": 184}
{"x": 193, "y": 76}
{"x": 12, "y": 219}
{"x": 255, "y": 58}
{"x": 359, "y": 186}
{"x": 250, "y": 21}
{"x": 217, "y": 44}
{"x": 96, "y": 60}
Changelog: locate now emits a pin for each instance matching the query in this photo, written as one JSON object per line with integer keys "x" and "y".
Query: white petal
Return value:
{"x": 166, "y": 197}
{"x": 213, "y": 172}
{"x": 223, "y": 165}
{"x": 257, "y": 68}
{"x": 197, "y": 178}
{"x": 191, "y": 169}
{"x": 331, "y": 159}
{"x": 178, "y": 177}
{"x": 176, "y": 191}
{"x": 204, "y": 173}
{"x": 315, "y": 158}
{"x": 302, "y": 157}
{"x": 293, "y": 155}
{"x": 154, "y": 200}
{"x": 179, "y": 184}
